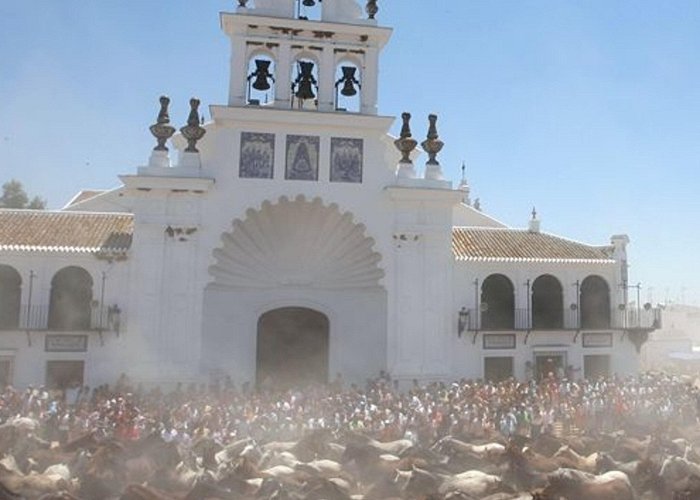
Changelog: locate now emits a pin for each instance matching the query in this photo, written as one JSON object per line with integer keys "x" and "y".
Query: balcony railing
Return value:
{"x": 523, "y": 319}
{"x": 36, "y": 318}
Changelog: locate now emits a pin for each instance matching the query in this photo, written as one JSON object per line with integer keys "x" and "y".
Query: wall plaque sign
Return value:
{"x": 302, "y": 157}
{"x": 499, "y": 341}
{"x": 597, "y": 340}
{"x": 346, "y": 160}
{"x": 257, "y": 156}
{"x": 66, "y": 343}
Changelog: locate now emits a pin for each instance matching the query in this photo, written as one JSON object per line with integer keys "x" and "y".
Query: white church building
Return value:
{"x": 291, "y": 239}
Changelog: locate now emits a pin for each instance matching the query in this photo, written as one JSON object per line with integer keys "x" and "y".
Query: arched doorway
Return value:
{"x": 547, "y": 303}
{"x": 71, "y": 300}
{"x": 497, "y": 303}
{"x": 595, "y": 303}
{"x": 10, "y": 296}
{"x": 292, "y": 347}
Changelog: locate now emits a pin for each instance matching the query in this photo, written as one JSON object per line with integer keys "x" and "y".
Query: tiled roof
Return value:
{"x": 521, "y": 245}
{"x": 49, "y": 231}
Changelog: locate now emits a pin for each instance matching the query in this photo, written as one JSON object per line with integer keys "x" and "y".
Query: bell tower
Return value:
{"x": 314, "y": 55}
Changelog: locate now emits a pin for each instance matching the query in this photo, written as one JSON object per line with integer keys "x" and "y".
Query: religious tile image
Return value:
{"x": 302, "y": 157}
{"x": 257, "y": 155}
{"x": 346, "y": 160}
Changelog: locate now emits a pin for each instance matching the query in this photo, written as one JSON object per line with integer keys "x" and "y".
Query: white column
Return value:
{"x": 239, "y": 72}
{"x": 370, "y": 81}
{"x": 326, "y": 75}
{"x": 283, "y": 76}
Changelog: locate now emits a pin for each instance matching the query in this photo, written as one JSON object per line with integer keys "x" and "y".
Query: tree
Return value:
{"x": 14, "y": 196}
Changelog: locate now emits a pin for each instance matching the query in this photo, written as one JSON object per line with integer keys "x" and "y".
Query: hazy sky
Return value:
{"x": 589, "y": 110}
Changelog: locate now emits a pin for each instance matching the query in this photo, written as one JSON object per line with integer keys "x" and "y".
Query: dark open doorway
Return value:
{"x": 7, "y": 364}
{"x": 596, "y": 366}
{"x": 497, "y": 369}
{"x": 63, "y": 374}
{"x": 292, "y": 347}
{"x": 549, "y": 365}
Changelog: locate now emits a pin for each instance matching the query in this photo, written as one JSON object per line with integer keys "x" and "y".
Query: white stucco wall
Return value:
{"x": 104, "y": 359}
{"x": 180, "y": 323}
{"x": 357, "y": 334}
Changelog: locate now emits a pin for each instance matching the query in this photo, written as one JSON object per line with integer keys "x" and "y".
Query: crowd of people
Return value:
{"x": 226, "y": 413}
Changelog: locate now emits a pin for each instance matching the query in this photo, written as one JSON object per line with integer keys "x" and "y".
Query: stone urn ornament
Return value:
{"x": 432, "y": 144}
{"x": 162, "y": 130}
{"x": 405, "y": 143}
{"x": 193, "y": 131}
{"x": 372, "y": 8}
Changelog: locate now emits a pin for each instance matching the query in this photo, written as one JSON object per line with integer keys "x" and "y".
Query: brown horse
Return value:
{"x": 396, "y": 447}
{"x": 63, "y": 495}
{"x": 538, "y": 462}
{"x": 87, "y": 441}
{"x": 566, "y": 457}
{"x": 322, "y": 489}
{"x": 419, "y": 483}
{"x": 9, "y": 434}
{"x": 139, "y": 492}
{"x": 520, "y": 470}
{"x": 7, "y": 494}
{"x": 576, "y": 485}
{"x": 491, "y": 452}
{"x": 628, "y": 448}
{"x": 313, "y": 445}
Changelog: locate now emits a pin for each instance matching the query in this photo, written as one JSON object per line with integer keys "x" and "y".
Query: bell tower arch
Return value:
{"x": 282, "y": 58}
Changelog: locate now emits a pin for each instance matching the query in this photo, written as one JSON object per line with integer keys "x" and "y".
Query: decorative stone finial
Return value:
{"x": 406, "y": 126}
{"x": 193, "y": 132}
{"x": 534, "y": 225}
{"x": 162, "y": 130}
{"x": 432, "y": 145}
{"x": 464, "y": 186}
{"x": 406, "y": 143}
{"x": 372, "y": 8}
{"x": 477, "y": 204}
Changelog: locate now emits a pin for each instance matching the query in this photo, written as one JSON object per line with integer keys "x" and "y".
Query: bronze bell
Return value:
{"x": 304, "y": 81}
{"x": 262, "y": 75}
{"x": 349, "y": 81}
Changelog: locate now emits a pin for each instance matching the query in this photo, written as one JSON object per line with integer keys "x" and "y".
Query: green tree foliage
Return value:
{"x": 14, "y": 196}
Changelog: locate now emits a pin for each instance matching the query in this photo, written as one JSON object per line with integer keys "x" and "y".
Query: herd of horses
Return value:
{"x": 323, "y": 465}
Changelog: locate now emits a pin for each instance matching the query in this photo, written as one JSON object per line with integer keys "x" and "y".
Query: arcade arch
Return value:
{"x": 70, "y": 303}
{"x": 595, "y": 303}
{"x": 547, "y": 303}
{"x": 497, "y": 303}
{"x": 10, "y": 297}
{"x": 292, "y": 347}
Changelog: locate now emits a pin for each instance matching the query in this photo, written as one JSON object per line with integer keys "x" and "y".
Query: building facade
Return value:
{"x": 675, "y": 347}
{"x": 291, "y": 239}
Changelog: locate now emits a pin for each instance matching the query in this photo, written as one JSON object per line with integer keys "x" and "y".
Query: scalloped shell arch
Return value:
{"x": 297, "y": 243}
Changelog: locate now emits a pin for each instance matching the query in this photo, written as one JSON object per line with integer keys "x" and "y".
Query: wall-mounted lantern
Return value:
{"x": 463, "y": 321}
{"x": 114, "y": 318}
